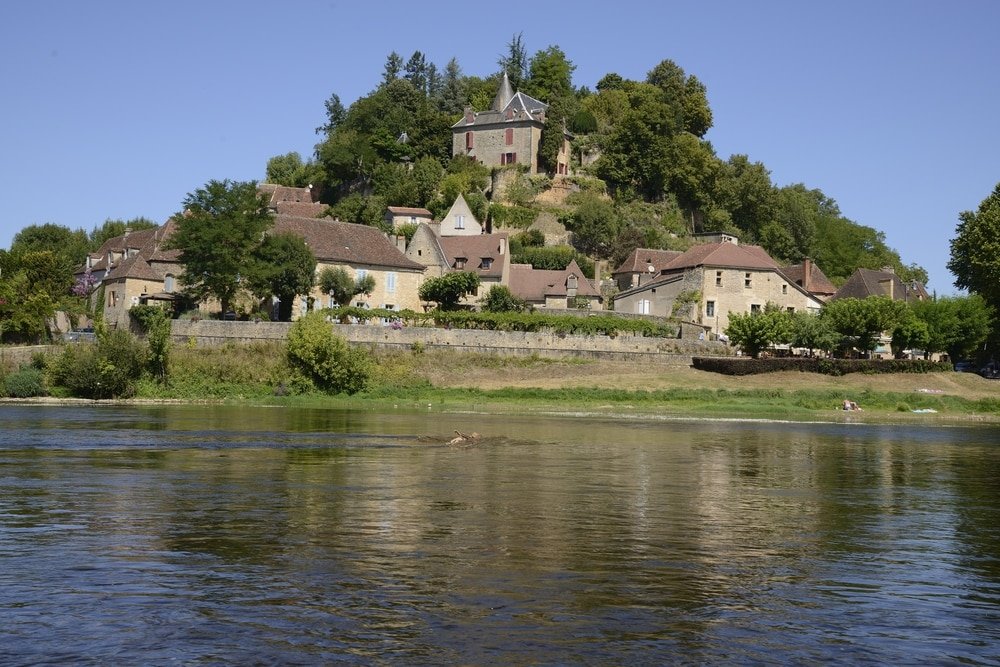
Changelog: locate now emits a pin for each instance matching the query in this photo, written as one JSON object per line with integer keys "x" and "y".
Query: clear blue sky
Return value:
{"x": 119, "y": 109}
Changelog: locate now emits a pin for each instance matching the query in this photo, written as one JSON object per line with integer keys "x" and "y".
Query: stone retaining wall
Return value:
{"x": 625, "y": 347}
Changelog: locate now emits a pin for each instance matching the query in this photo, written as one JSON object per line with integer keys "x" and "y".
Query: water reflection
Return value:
{"x": 274, "y": 535}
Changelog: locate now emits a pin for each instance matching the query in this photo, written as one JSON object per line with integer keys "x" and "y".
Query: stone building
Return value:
{"x": 543, "y": 288}
{"x": 507, "y": 133}
{"x": 396, "y": 216}
{"x": 709, "y": 281}
{"x": 869, "y": 282}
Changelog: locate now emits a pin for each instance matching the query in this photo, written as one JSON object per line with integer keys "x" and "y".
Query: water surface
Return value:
{"x": 206, "y": 535}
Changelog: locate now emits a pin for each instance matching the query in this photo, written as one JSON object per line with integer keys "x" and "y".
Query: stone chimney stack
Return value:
{"x": 807, "y": 268}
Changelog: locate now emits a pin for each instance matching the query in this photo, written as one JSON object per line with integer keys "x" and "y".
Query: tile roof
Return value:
{"x": 727, "y": 255}
{"x": 135, "y": 267}
{"x": 332, "y": 241}
{"x": 868, "y": 282}
{"x": 406, "y": 210}
{"x": 641, "y": 258}
{"x": 282, "y": 193}
{"x": 301, "y": 209}
{"x": 818, "y": 282}
{"x": 476, "y": 248}
{"x": 535, "y": 284}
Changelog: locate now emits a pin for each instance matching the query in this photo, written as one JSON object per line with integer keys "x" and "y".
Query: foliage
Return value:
{"x": 24, "y": 383}
{"x": 515, "y": 61}
{"x": 291, "y": 171}
{"x": 217, "y": 233}
{"x": 326, "y": 359}
{"x": 755, "y": 332}
{"x": 501, "y": 300}
{"x": 283, "y": 266}
{"x": 360, "y": 210}
{"x": 909, "y": 333}
{"x": 861, "y": 322}
{"x": 552, "y": 258}
{"x": 530, "y": 238}
{"x": 155, "y": 324}
{"x": 339, "y": 284}
{"x": 956, "y": 325}
{"x": 835, "y": 367}
{"x": 517, "y": 217}
{"x": 812, "y": 332}
{"x": 594, "y": 224}
{"x": 108, "y": 369}
{"x": 449, "y": 289}
{"x": 975, "y": 250}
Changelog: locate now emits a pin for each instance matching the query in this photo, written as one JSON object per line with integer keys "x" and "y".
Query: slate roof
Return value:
{"x": 332, "y": 241}
{"x": 868, "y": 282}
{"x": 725, "y": 255}
{"x": 507, "y": 106}
{"x": 474, "y": 249}
{"x": 818, "y": 282}
{"x": 641, "y": 258}
{"x": 535, "y": 284}
{"x": 135, "y": 267}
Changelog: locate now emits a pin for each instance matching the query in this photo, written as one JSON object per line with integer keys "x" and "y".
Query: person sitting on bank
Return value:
{"x": 851, "y": 406}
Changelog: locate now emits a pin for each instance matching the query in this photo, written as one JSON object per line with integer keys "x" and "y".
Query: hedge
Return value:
{"x": 748, "y": 366}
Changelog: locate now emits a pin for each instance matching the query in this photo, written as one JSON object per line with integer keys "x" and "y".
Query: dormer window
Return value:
{"x": 572, "y": 282}
{"x": 460, "y": 262}
{"x": 486, "y": 263}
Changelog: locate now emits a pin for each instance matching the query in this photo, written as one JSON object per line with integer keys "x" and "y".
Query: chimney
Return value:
{"x": 401, "y": 242}
{"x": 807, "y": 267}
{"x": 503, "y": 246}
{"x": 470, "y": 115}
{"x": 887, "y": 287}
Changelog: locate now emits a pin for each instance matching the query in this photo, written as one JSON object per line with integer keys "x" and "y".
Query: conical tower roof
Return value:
{"x": 504, "y": 94}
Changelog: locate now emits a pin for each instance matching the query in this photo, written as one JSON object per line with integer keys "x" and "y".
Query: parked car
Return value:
{"x": 966, "y": 366}
{"x": 85, "y": 334}
{"x": 991, "y": 371}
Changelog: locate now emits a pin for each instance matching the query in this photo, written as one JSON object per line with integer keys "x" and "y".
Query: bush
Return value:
{"x": 326, "y": 359}
{"x": 109, "y": 369}
{"x": 25, "y": 383}
{"x": 834, "y": 367}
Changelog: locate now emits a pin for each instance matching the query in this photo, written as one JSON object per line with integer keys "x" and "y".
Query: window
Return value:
{"x": 790, "y": 309}
{"x": 468, "y": 141}
{"x": 746, "y": 280}
{"x": 460, "y": 262}
{"x": 709, "y": 309}
{"x": 331, "y": 303}
{"x": 486, "y": 263}
{"x": 508, "y": 158}
{"x": 459, "y": 221}
{"x": 168, "y": 283}
{"x": 360, "y": 274}
{"x": 509, "y": 136}
{"x": 718, "y": 278}
{"x": 784, "y": 289}
{"x": 754, "y": 308}
{"x": 390, "y": 281}
{"x": 642, "y": 307}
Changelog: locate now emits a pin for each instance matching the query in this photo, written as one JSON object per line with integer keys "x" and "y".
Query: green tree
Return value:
{"x": 812, "y": 332}
{"x": 975, "y": 250}
{"x": 755, "y": 332}
{"x": 909, "y": 333}
{"x": 155, "y": 324}
{"x": 290, "y": 170}
{"x": 746, "y": 191}
{"x": 448, "y": 290}
{"x": 550, "y": 75}
{"x": 515, "y": 61}
{"x": 594, "y": 224}
{"x": 325, "y": 359}
{"x": 452, "y": 99}
{"x": 393, "y": 66}
{"x": 335, "y": 114}
{"x": 956, "y": 325}
{"x": 217, "y": 233}
{"x": 501, "y": 300}
{"x": 416, "y": 71}
{"x": 283, "y": 266}
{"x": 339, "y": 284}
{"x": 862, "y": 322}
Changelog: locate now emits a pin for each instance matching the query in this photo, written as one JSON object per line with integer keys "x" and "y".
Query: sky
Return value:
{"x": 119, "y": 109}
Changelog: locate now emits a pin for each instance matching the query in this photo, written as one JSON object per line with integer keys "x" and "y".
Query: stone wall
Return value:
{"x": 625, "y": 347}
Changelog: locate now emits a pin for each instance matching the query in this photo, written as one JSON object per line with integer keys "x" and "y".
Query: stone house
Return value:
{"x": 567, "y": 288}
{"x": 507, "y": 133}
{"x": 711, "y": 280}
{"x": 486, "y": 255}
{"x": 869, "y": 282}
{"x": 361, "y": 250}
{"x": 811, "y": 278}
{"x": 642, "y": 265}
{"x": 397, "y": 216}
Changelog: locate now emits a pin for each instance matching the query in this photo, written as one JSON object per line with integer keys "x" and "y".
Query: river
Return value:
{"x": 263, "y": 535}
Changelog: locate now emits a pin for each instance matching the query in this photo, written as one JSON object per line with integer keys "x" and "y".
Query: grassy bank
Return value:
{"x": 461, "y": 381}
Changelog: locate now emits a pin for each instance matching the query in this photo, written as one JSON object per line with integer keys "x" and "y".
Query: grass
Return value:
{"x": 259, "y": 373}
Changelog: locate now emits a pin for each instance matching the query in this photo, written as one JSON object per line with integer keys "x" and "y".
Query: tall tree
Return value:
{"x": 515, "y": 61}
{"x": 218, "y": 230}
{"x": 282, "y": 266}
{"x": 393, "y": 66}
{"x": 975, "y": 250}
{"x": 550, "y": 75}
{"x": 335, "y": 114}
{"x": 452, "y": 99}
{"x": 416, "y": 71}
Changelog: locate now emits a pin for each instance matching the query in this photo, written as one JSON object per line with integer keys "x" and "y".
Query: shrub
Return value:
{"x": 326, "y": 359}
{"x": 109, "y": 369}
{"x": 25, "y": 383}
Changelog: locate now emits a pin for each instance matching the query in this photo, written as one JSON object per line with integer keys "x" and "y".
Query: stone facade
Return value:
{"x": 395, "y": 289}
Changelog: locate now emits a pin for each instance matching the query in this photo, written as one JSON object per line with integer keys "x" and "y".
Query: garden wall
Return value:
{"x": 624, "y": 347}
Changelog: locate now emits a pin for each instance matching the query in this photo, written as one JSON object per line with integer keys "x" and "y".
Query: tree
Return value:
{"x": 861, "y": 322}
{"x": 393, "y": 66}
{"x": 595, "y": 225}
{"x": 550, "y": 76}
{"x": 290, "y": 170}
{"x": 956, "y": 325}
{"x": 325, "y": 359}
{"x": 756, "y": 331}
{"x": 335, "y": 114}
{"x": 909, "y": 333}
{"x": 515, "y": 62}
{"x": 501, "y": 300}
{"x": 283, "y": 266}
{"x": 975, "y": 250}
{"x": 448, "y": 290}
{"x": 452, "y": 99}
{"x": 746, "y": 191}
{"x": 339, "y": 284}
{"x": 812, "y": 332}
{"x": 416, "y": 71}
{"x": 221, "y": 226}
